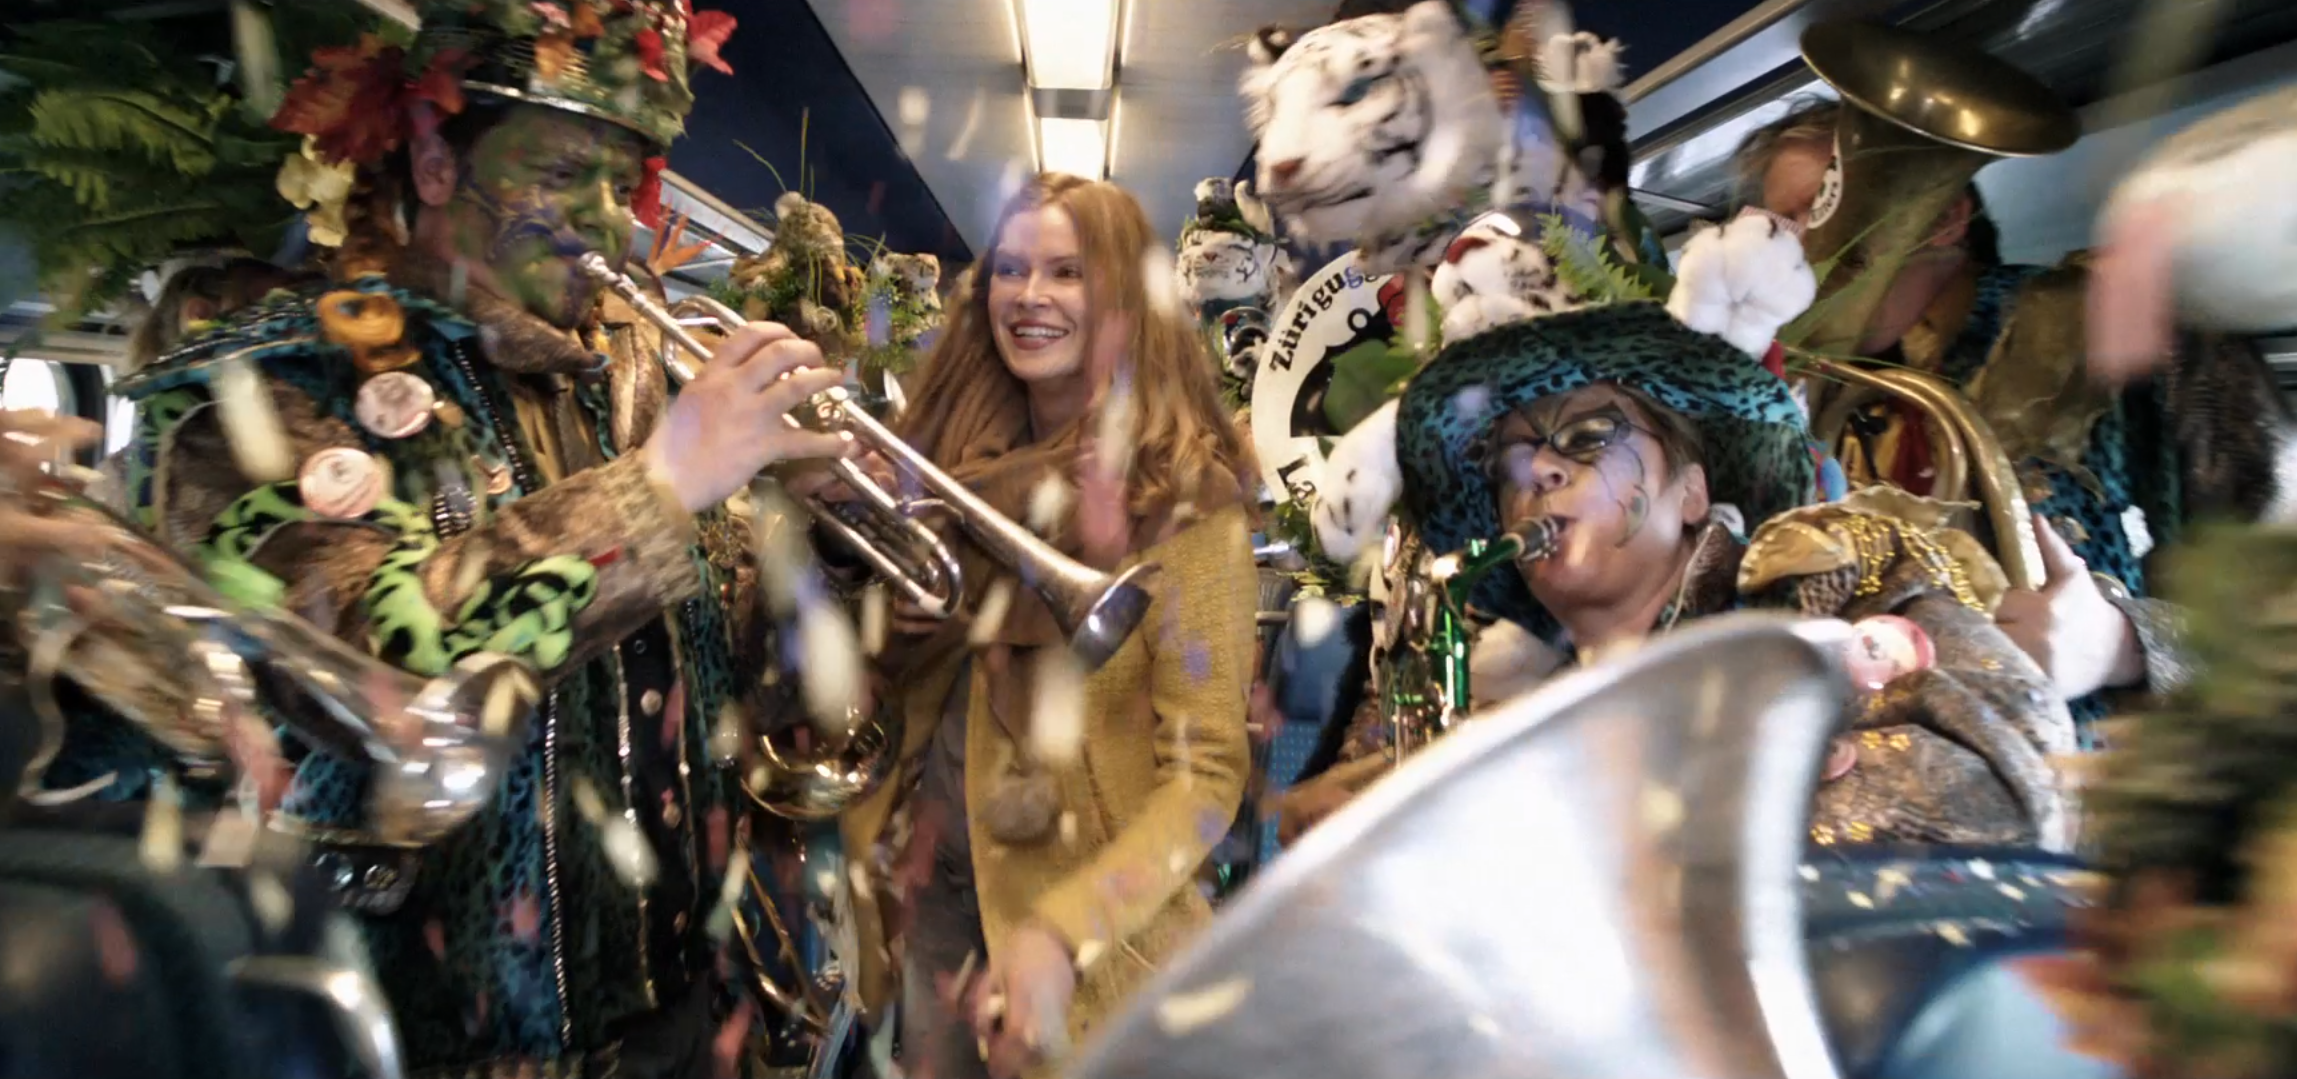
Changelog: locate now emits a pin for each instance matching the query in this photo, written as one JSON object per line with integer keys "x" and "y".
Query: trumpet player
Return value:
{"x": 450, "y": 447}
{"x": 1063, "y": 814}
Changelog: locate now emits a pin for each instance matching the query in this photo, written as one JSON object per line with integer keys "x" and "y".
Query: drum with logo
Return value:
{"x": 1332, "y": 312}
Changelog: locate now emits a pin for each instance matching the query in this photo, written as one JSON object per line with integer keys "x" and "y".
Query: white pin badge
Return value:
{"x": 340, "y": 482}
{"x": 396, "y": 404}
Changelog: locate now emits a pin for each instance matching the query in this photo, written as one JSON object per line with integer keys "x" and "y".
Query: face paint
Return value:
{"x": 538, "y": 190}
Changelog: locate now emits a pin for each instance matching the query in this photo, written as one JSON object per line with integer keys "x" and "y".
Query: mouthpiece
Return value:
{"x": 1536, "y": 539}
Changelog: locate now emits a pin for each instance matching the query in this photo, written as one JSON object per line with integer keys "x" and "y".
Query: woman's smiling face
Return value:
{"x": 1590, "y": 461}
{"x": 1038, "y": 308}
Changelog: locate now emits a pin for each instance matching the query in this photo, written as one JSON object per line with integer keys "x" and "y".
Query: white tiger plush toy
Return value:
{"x": 1228, "y": 250}
{"x": 1492, "y": 276}
{"x": 1373, "y": 125}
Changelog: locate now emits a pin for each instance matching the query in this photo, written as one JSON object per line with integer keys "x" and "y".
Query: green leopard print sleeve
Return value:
{"x": 527, "y": 611}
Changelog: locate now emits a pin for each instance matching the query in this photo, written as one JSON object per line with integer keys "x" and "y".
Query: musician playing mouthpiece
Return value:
{"x": 2198, "y": 440}
{"x": 1627, "y": 448}
{"x": 475, "y": 458}
{"x": 1063, "y": 815}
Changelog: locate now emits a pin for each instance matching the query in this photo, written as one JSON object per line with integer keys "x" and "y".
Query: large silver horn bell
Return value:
{"x": 1597, "y": 881}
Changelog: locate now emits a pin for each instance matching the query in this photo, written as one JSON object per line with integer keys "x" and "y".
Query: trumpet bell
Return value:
{"x": 1104, "y": 612}
{"x": 1598, "y": 881}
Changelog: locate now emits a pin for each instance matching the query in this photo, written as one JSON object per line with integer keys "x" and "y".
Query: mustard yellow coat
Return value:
{"x": 1157, "y": 785}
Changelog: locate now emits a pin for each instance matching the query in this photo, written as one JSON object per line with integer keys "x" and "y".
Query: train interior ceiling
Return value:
{"x": 911, "y": 119}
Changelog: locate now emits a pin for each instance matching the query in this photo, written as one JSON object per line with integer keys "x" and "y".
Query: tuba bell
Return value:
{"x": 1599, "y": 880}
{"x": 440, "y": 746}
{"x": 1921, "y": 116}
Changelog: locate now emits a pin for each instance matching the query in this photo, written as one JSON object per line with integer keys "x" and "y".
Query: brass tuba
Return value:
{"x": 1921, "y": 117}
{"x": 1598, "y": 880}
{"x": 440, "y": 746}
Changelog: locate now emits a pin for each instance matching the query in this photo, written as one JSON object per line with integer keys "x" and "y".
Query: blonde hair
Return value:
{"x": 1810, "y": 123}
{"x": 1186, "y": 447}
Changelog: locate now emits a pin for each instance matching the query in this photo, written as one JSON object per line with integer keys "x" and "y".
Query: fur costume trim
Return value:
{"x": 1743, "y": 282}
{"x": 1361, "y": 482}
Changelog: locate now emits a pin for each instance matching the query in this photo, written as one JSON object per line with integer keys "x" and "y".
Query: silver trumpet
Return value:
{"x": 1095, "y": 610}
{"x": 1599, "y": 880}
{"x": 440, "y": 747}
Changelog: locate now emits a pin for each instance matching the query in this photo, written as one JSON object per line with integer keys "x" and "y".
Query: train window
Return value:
{"x": 35, "y": 384}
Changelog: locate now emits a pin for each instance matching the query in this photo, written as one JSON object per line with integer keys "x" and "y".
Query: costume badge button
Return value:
{"x": 1885, "y": 647}
{"x": 497, "y": 476}
{"x": 395, "y": 404}
{"x": 340, "y": 482}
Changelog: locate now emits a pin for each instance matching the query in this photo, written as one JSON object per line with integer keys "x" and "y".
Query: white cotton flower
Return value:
{"x": 1743, "y": 282}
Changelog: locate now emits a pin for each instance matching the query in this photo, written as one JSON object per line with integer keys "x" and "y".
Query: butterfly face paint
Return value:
{"x": 1589, "y": 461}
{"x": 537, "y": 191}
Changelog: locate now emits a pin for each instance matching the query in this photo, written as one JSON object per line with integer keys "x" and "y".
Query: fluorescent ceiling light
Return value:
{"x": 1072, "y": 43}
{"x": 1078, "y": 147}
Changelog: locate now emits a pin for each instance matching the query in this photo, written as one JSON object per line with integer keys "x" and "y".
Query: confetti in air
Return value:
{"x": 508, "y": 698}
{"x": 1068, "y": 828}
{"x": 1089, "y": 953}
{"x": 873, "y": 619}
{"x": 989, "y": 617}
{"x": 1057, "y": 716}
{"x": 251, "y": 422}
{"x": 1183, "y": 1013}
{"x": 626, "y": 847}
{"x": 274, "y": 908}
{"x": 721, "y": 922}
{"x": 1157, "y": 277}
{"x": 1418, "y": 323}
{"x": 832, "y": 665}
{"x": 1313, "y": 619}
{"x": 1471, "y": 403}
{"x": 1120, "y": 417}
{"x": 1049, "y": 501}
{"x": 163, "y": 827}
{"x": 726, "y": 735}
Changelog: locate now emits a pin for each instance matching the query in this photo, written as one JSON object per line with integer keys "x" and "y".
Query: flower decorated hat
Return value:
{"x": 1699, "y": 354}
{"x": 622, "y": 61}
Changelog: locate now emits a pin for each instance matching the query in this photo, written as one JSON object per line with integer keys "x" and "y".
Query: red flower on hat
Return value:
{"x": 650, "y": 54}
{"x": 706, "y": 32}
{"x": 646, "y": 202}
{"x": 357, "y": 103}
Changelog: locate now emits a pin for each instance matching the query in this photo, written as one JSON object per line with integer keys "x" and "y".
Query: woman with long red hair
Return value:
{"x": 1059, "y": 824}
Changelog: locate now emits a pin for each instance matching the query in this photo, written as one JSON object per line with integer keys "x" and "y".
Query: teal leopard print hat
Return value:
{"x": 1752, "y": 434}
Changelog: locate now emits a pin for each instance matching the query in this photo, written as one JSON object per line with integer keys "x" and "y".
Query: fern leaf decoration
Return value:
{"x": 1587, "y": 267}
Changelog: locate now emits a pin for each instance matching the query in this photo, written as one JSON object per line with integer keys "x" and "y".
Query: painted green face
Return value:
{"x": 540, "y": 188}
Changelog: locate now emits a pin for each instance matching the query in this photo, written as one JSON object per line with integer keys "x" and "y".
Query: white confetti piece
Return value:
{"x": 778, "y": 538}
{"x": 251, "y": 422}
{"x": 1157, "y": 278}
{"x": 1049, "y": 502}
{"x": 163, "y": 827}
{"x": 989, "y": 616}
{"x": 1861, "y": 901}
{"x": 1313, "y": 620}
{"x": 1484, "y": 1025}
{"x": 1953, "y": 934}
{"x": 1418, "y": 328}
{"x": 726, "y": 735}
{"x": 1089, "y": 953}
{"x": 507, "y": 699}
{"x": 1118, "y": 421}
{"x": 1472, "y": 403}
{"x": 274, "y": 907}
{"x": 1662, "y": 808}
{"x": 760, "y": 779}
{"x": 1057, "y": 715}
{"x": 858, "y": 874}
{"x": 1068, "y": 828}
{"x": 1182, "y": 1013}
{"x": 913, "y": 105}
{"x": 720, "y": 925}
{"x": 628, "y": 852}
{"x": 833, "y": 667}
{"x": 1981, "y": 869}
{"x": 874, "y": 619}
{"x": 2011, "y": 890}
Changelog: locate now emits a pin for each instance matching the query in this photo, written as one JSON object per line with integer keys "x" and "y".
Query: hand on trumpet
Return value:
{"x": 732, "y": 421}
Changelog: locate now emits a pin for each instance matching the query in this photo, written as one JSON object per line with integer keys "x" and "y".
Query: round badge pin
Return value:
{"x": 1885, "y": 647}
{"x": 395, "y": 404}
{"x": 1840, "y": 761}
{"x": 340, "y": 482}
{"x": 498, "y": 476}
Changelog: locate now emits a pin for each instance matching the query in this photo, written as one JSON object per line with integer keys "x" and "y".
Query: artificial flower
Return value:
{"x": 356, "y": 101}
{"x": 319, "y": 188}
{"x": 646, "y": 202}
{"x": 586, "y": 22}
{"x": 649, "y": 43}
{"x": 706, "y": 32}
{"x": 552, "y": 13}
{"x": 552, "y": 53}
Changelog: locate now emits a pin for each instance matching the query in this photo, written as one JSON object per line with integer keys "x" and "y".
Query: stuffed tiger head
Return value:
{"x": 1371, "y": 125}
{"x": 910, "y": 278}
{"x": 1493, "y": 275}
{"x": 1217, "y": 266}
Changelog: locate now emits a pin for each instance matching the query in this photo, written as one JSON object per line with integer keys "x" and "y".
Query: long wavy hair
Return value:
{"x": 1186, "y": 448}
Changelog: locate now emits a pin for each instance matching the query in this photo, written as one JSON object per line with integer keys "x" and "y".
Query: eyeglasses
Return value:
{"x": 1582, "y": 440}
